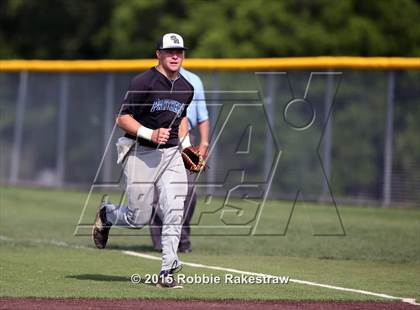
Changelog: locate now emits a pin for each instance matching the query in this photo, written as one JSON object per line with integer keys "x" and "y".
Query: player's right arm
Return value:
{"x": 131, "y": 106}
{"x": 127, "y": 123}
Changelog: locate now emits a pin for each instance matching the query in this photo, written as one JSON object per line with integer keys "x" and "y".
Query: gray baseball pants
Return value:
{"x": 189, "y": 207}
{"x": 154, "y": 177}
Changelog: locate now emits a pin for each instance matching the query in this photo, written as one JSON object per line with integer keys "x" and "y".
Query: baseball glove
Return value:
{"x": 193, "y": 161}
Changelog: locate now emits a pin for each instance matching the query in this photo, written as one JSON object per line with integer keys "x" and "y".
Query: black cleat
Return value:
{"x": 101, "y": 226}
{"x": 166, "y": 277}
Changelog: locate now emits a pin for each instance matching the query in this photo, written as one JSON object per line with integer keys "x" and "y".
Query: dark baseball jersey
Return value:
{"x": 157, "y": 102}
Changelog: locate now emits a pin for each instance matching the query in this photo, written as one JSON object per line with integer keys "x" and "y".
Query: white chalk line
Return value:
{"x": 411, "y": 301}
{"x": 339, "y": 288}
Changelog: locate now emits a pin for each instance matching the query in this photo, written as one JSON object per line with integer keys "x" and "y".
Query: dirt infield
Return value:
{"x": 103, "y": 304}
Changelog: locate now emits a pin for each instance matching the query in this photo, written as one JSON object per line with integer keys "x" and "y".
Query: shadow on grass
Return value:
{"x": 104, "y": 277}
{"x": 99, "y": 277}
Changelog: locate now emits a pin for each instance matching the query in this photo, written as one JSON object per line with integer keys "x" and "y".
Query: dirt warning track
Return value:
{"x": 154, "y": 304}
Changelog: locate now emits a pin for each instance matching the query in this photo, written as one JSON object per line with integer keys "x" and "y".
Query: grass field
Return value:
{"x": 41, "y": 256}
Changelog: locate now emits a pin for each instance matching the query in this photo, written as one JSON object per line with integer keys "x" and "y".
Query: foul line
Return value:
{"x": 338, "y": 288}
{"x": 411, "y": 301}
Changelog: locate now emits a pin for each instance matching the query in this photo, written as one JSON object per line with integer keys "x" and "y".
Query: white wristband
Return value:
{"x": 145, "y": 133}
{"x": 186, "y": 141}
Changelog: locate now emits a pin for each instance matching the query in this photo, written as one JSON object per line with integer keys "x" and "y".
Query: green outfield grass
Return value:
{"x": 41, "y": 256}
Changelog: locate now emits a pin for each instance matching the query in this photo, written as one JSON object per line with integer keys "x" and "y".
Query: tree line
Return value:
{"x": 62, "y": 29}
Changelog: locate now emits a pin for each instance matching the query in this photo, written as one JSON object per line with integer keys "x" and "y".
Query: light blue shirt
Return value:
{"x": 197, "y": 110}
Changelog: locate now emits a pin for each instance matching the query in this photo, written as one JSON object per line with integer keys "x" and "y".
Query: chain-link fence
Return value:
{"x": 349, "y": 135}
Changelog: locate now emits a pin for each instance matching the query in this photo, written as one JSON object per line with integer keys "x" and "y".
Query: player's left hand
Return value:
{"x": 193, "y": 161}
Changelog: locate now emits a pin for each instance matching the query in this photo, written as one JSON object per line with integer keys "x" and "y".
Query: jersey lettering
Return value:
{"x": 168, "y": 105}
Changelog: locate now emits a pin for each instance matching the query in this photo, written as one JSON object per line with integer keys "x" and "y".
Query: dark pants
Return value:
{"x": 189, "y": 207}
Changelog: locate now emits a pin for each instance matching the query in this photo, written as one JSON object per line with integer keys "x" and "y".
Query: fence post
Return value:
{"x": 271, "y": 90}
{"x": 389, "y": 133}
{"x": 108, "y": 124}
{"x": 211, "y": 174}
{"x": 62, "y": 129}
{"x": 18, "y": 130}
{"x": 327, "y": 138}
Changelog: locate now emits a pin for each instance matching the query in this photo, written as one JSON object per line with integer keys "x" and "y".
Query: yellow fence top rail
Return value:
{"x": 262, "y": 64}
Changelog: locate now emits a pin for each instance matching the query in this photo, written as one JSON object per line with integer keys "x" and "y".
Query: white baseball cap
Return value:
{"x": 171, "y": 40}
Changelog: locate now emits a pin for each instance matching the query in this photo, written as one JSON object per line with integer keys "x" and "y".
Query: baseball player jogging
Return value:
{"x": 153, "y": 115}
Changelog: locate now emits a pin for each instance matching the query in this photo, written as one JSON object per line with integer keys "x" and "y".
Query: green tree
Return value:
{"x": 54, "y": 29}
{"x": 221, "y": 28}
